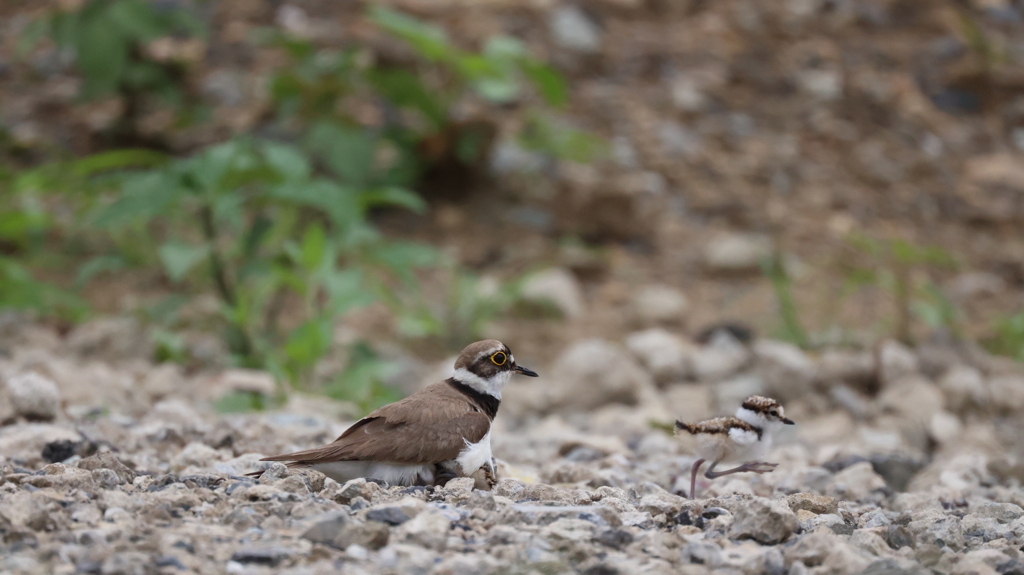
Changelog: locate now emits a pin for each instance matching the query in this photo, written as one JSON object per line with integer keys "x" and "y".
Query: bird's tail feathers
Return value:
{"x": 687, "y": 427}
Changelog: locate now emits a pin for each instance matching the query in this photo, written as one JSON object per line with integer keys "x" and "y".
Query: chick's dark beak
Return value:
{"x": 524, "y": 371}
{"x": 788, "y": 421}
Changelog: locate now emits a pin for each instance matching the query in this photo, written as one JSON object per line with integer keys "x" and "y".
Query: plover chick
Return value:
{"x": 745, "y": 438}
{"x": 441, "y": 432}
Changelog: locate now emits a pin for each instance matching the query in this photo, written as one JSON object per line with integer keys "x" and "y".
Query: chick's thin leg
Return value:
{"x": 693, "y": 476}
{"x": 751, "y": 466}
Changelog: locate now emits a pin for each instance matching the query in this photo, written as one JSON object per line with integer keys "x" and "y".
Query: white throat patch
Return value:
{"x": 491, "y": 386}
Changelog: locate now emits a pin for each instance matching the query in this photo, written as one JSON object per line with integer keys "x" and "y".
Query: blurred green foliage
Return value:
{"x": 900, "y": 268}
{"x": 280, "y": 230}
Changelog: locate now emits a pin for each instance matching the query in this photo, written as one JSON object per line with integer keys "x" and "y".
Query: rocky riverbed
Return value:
{"x": 903, "y": 461}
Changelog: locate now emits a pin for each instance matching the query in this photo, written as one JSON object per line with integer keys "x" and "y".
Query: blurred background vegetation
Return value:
{"x": 269, "y": 223}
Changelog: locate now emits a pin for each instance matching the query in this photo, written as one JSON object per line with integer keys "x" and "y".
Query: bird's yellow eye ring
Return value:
{"x": 499, "y": 358}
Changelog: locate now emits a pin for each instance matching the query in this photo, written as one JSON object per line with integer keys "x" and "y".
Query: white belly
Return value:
{"x": 475, "y": 455}
{"x": 392, "y": 473}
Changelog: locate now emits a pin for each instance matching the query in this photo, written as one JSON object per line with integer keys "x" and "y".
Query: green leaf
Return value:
{"x": 95, "y": 266}
{"x": 548, "y": 82}
{"x": 393, "y": 196}
{"x": 405, "y": 90}
{"x": 287, "y": 160}
{"x": 405, "y": 256}
{"x": 240, "y": 402}
{"x": 314, "y": 247}
{"x": 500, "y": 90}
{"x": 142, "y": 197}
{"x": 348, "y": 152}
{"x": 306, "y": 345}
{"x": 430, "y": 41}
{"x": 117, "y": 160}
{"x": 347, "y": 290}
{"x": 504, "y": 47}
{"x": 178, "y": 258}
{"x": 102, "y": 57}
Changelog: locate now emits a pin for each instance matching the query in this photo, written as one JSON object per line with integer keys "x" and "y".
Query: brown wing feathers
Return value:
{"x": 406, "y": 433}
{"x": 716, "y": 425}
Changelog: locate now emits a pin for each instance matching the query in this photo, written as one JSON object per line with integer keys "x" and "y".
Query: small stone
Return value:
{"x": 678, "y": 141}
{"x": 196, "y": 454}
{"x": 574, "y": 30}
{"x": 371, "y": 535}
{"x": 736, "y": 252}
{"x": 557, "y": 287}
{"x": 934, "y": 527}
{"x": 817, "y": 504}
{"x": 787, "y": 371}
{"x": 665, "y": 355}
{"x": 914, "y": 399}
{"x": 856, "y": 482}
{"x": 105, "y": 478}
{"x": 1007, "y": 393}
{"x": 429, "y": 529}
{"x": 659, "y": 304}
{"x": 510, "y": 488}
{"x": 964, "y": 388}
{"x": 247, "y": 380}
{"x": 730, "y": 394}
{"x": 326, "y": 528}
{"x": 107, "y": 460}
{"x": 34, "y": 396}
{"x": 391, "y": 515}
{"x": 856, "y": 369}
{"x": 945, "y": 427}
{"x": 766, "y": 521}
{"x": 722, "y": 356}
{"x": 261, "y": 555}
{"x": 896, "y": 361}
{"x": 594, "y": 373}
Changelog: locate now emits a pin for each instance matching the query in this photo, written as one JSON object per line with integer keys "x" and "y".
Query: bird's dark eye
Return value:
{"x": 774, "y": 413}
{"x": 499, "y": 358}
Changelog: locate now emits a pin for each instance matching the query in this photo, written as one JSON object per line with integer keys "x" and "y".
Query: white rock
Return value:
{"x": 913, "y": 398}
{"x": 247, "y": 380}
{"x": 163, "y": 380}
{"x": 429, "y": 528}
{"x": 855, "y": 482}
{"x": 723, "y": 356}
{"x": 787, "y": 371}
{"x": 196, "y": 454}
{"x": 689, "y": 402}
{"x": 665, "y": 355}
{"x": 1007, "y": 393}
{"x": 730, "y": 394}
{"x": 558, "y": 287}
{"x": 944, "y": 427}
{"x": 659, "y": 304}
{"x": 26, "y": 440}
{"x": 736, "y": 252}
{"x": 856, "y": 368}
{"x": 764, "y": 520}
{"x": 595, "y": 372}
{"x": 964, "y": 388}
{"x": 34, "y": 396}
{"x": 895, "y": 361}
{"x": 574, "y": 30}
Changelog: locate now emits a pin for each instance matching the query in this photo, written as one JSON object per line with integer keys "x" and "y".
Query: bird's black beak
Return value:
{"x": 788, "y": 421}
{"x": 524, "y": 371}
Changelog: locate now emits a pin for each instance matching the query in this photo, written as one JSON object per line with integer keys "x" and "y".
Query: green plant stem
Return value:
{"x": 902, "y": 294}
{"x": 775, "y": 268}
{"x": 220, "y": 278}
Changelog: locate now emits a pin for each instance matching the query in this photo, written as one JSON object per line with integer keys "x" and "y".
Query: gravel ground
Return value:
{"x": 903, "y": 461}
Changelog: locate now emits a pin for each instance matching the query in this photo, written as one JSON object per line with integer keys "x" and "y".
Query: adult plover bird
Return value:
{"x": 436, "y": 434}
{"x": 745, "y": 438}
